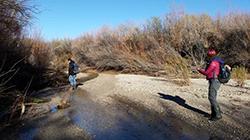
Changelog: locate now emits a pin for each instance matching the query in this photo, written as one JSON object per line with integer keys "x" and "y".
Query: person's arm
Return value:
{"x": 210, "y": 69}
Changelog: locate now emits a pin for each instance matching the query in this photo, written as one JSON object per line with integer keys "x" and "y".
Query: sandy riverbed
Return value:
{"x": 141, "y": 107}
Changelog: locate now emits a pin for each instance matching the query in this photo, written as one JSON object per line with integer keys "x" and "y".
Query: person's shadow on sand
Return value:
{"x": 182, "y": 103}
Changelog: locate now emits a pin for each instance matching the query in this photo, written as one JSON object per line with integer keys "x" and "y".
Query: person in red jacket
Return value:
{"x": 211, "y": 72}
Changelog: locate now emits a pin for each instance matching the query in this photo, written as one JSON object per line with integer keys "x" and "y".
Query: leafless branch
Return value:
{"x": 4, "y": 89}
{"x": 14, "y": 108}
{"x": 6, "y": 81}
{"x": 17, "y": 63}
{"x": 22, "y": 102}
{"x": 28, "y": 86}
{"x": 3, "y": 63}
{"x": 5, "y": 73}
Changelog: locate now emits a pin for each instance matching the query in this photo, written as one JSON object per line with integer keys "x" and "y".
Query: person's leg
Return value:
{"x": 214, "y": 86}
{"x": 217, "y": 109}
{"x": 71, "y": 80}
{"x": 74, "y": 81}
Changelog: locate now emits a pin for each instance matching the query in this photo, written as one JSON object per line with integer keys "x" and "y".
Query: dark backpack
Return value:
{"x": 76, "y": 69}
{"x": 225, "y": 74}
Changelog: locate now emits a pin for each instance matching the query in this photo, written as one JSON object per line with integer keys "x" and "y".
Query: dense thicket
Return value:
{"x": 24, "y": 62}
{"x": 147, "y": 48}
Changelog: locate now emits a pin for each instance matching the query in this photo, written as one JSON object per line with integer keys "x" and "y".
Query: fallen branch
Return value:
{"x": 14, "y": 108}
{"x": 24, "y": 97}
{"x": 20, "y": 102}
{"x": 30, "y": 104}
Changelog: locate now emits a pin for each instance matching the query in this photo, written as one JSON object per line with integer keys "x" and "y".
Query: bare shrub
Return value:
{"x": 14, "y": 16}
{"x": 40, "y": 55}
{"x": 62, "y": 50}
{"x": 177, "y": 69}
{"x": 120, "y": 50}
{"x": 142, "y": 48}
{"x": 239, "y": 74}
{"x": 155, "y": 28}
{"x": 234, "y": 47}
{"x": 189, "y": 35}
{"x": 26, "y": 60}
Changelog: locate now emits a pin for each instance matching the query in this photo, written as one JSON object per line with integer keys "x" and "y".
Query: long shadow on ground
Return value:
{"x": 180, "y": 101}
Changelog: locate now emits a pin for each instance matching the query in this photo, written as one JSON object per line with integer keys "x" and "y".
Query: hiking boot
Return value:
{"x": 216, "y": 114}
{"x": 212, "y": 112}
{"x": 215, "y": 118}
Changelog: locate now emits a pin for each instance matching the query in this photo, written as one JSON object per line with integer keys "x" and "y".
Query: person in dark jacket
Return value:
{"x": 72, "y": 74}
{"x": 212, "y": 72}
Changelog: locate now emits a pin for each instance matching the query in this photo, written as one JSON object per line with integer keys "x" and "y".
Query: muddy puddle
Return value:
{"x": 128, "y": 120}
{"x": 123, "y": 119}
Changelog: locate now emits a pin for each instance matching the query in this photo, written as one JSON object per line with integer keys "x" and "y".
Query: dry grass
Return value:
{"x": 177, "y": 68}
{"x": 61, "y": 51}
{"x": 239, "y": 74}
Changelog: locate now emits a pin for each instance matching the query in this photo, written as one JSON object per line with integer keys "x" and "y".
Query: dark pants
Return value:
{"x": 214, "y": 85}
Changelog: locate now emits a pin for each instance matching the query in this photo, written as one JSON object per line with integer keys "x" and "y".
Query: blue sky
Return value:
{"x": 72, "y": 18}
